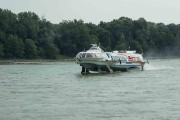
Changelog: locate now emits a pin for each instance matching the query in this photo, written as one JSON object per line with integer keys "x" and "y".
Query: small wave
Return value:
{"x": 14, "y": 73}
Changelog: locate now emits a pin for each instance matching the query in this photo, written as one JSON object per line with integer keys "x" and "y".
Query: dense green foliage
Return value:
{"x": 26, "y": 36}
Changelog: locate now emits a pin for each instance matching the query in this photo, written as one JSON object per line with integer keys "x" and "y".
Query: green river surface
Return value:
{"x": 58, "y": 91}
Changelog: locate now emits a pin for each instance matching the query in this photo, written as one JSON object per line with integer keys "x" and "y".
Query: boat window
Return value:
{"x": 88, "y": 55}
{"x": 94, "y": 55}
{"x": 83, "y": 55}
{"x": 98, "y": 55}
{"x": 108, "y": 55}
{"x": 78, "y": 55}
{"x": 117, "y": 58}
{"x": 93, "y": 49}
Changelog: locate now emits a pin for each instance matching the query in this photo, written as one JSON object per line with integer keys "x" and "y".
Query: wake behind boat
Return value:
{"x": 95, "y": 59}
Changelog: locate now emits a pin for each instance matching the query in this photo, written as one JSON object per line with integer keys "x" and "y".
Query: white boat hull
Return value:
{"x": 127, "y": 65}
{"x": 95, "y": 64}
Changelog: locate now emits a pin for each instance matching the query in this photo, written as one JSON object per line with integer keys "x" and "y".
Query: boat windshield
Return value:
{"x": 93, "y": 48}
{"x": 89, "y": 55}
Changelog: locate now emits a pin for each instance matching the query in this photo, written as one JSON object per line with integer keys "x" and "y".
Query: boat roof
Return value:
{"x": 126, "y": 51}
{"x": 131, "y": 51}
{"x": 94, "y": 49}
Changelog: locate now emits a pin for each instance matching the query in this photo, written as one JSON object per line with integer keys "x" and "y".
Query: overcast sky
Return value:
{"x": 165, "y": 11}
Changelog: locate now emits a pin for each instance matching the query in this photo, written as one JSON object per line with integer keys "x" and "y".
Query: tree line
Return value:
{"x": 26, "y": 36}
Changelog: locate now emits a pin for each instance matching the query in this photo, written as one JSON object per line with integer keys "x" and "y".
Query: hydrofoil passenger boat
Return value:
{"x": 127, "y": 59}
{"x": 95, "y": 59}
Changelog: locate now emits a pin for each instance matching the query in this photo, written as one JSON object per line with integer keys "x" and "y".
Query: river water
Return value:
{"x": 57, "y": 91}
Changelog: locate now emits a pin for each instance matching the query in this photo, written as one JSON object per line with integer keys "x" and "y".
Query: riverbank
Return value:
{"x": 32, "y": 61}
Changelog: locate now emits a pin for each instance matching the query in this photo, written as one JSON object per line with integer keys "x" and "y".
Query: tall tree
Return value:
{"x": 14, "y": 47}
{"x": 75, "y": 37}
{"x": 1, "y": 51}
{"x": 30, "y": 49}
{"x": 28, "y": 25}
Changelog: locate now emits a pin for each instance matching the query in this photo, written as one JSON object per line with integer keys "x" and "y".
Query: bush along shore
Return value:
{"x": 26, "y": 36}
{"x": 34, "y": 61}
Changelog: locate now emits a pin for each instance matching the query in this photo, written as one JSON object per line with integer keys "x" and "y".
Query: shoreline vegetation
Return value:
{"x": 32, "y": 61}
{"x": 35, "y": 61}
{"x": 26, "y": 36}
{"x": 65, "y": 59}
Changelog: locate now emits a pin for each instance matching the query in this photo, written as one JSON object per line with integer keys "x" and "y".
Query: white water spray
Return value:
{"x": 154, "y": 67}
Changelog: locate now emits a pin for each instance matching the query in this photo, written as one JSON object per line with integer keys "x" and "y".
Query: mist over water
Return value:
{"x": 151, "y": 66}
{"x": 57, "y": 91}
